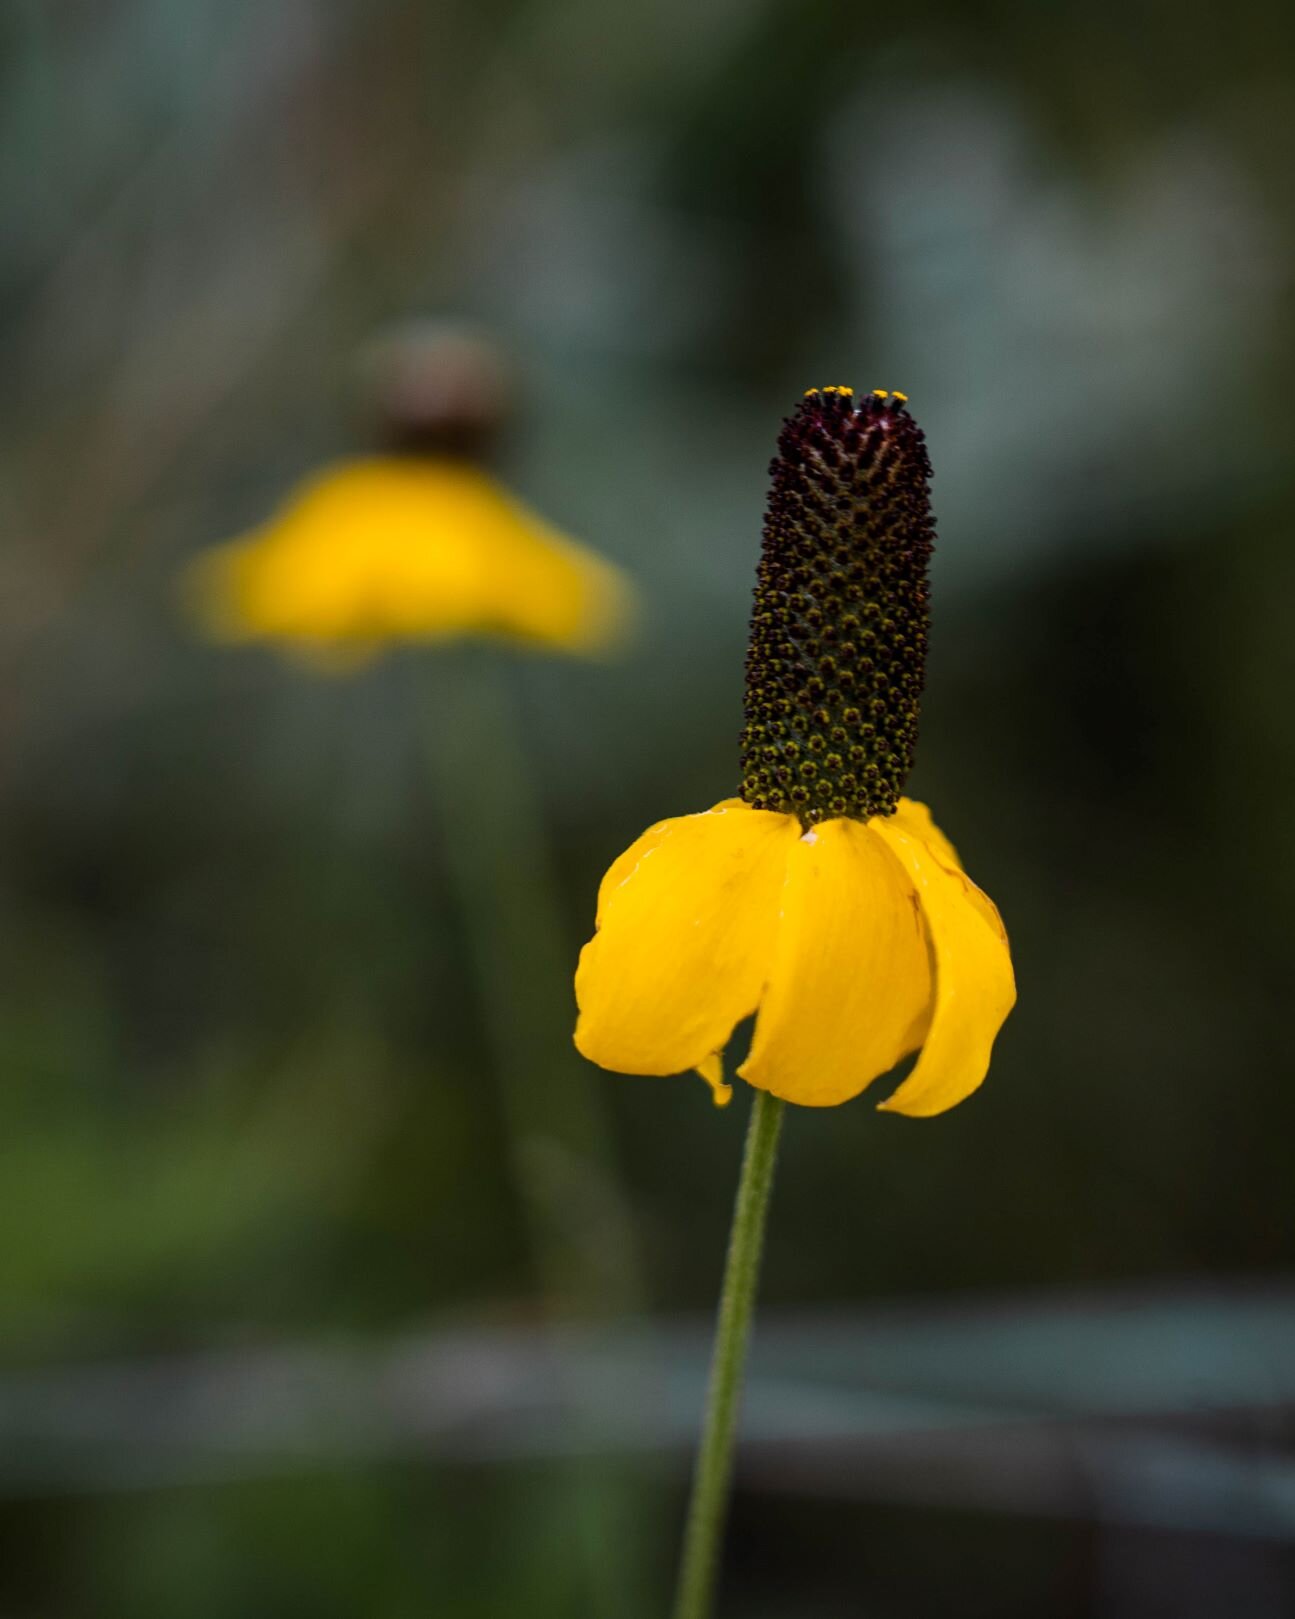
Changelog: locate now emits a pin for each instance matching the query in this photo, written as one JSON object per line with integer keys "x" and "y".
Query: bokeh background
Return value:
{"x": 273, "y": 1334}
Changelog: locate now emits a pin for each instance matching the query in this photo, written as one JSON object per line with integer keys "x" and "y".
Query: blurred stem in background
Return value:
{"x": 708, "y": 1508}
{"x": 559, "y": 1139}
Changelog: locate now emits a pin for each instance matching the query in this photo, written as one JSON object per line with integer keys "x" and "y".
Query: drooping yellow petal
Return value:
{"x": 686, "y": 923}
{"x": 974, "y": 985}
{"x": 850, "y": 976}
{"x": 406, "y": 548}
{"x": 549, "y": 590}
{"x": 914, "y": 818}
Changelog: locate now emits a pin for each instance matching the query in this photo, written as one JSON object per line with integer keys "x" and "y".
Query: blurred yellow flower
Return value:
{"x": 820, "y": 900}
{"x": 405, "y": 548}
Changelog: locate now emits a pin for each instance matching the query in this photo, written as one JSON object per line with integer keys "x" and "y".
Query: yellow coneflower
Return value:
{"x": 819, "y": 899}
{"x": 418, "y": 543}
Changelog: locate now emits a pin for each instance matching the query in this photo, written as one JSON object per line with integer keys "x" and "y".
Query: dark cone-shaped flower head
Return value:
{"x": 838, "y": 632}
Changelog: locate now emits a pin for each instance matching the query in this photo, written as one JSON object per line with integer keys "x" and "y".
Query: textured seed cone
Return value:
{"x": 837, "y": 653}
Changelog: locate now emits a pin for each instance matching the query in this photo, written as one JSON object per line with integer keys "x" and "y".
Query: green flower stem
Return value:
{"x": 552, "y": 1106}
{"x": 498, "y": 861}
{"x": 710, "y": 1488}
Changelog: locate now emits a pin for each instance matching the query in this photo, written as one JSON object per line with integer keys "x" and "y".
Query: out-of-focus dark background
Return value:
{"x": 272, "y": 1335}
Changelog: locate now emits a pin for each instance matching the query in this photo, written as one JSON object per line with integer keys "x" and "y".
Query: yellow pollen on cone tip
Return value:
{"x": 848, "y": 393}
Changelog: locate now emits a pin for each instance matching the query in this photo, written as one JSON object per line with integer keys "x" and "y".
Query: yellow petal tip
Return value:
{"x": 712, "y": 1071}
